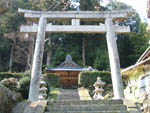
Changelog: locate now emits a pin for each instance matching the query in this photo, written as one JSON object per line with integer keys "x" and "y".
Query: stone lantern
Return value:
{"x": 98, "y": 89}
{"x": 42, "y": 90}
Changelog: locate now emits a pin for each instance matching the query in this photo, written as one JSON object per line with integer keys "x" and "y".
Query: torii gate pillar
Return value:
{"x": 37, "y": 60}
{"x": 114, "y": 59}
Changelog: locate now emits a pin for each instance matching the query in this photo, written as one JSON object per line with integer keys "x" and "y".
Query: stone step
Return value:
{"x": 78, "y": 108}
{"x": 87, "y": 112}
{"x": 85, "y": 102}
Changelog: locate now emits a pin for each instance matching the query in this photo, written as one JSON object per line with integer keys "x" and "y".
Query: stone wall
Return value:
{"x": 137, "y": 87}
{"x": 30, "y": 107}
{"x": 138, "y": 90}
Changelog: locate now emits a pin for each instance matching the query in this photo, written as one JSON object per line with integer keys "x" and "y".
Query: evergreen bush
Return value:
{"x": 10, "y": 83}
{"x": 88, "y": 78}
{"x": 18, "y": 82}
{"x": 4, "y": 75}
{"x": 23, "y": 86}
{"x": 52, "y": 79}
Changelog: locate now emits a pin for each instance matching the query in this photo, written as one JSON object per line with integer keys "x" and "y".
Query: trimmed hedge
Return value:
{"x": 52, "y": 79}
{"x": 88, "y": 78}
{"x": 10, "y": 75}
{"x": 23, "y": 86}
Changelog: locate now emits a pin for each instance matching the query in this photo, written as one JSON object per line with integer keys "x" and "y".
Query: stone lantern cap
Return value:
{"x": 42, "y": 83}
{"x": 99, "y": 82}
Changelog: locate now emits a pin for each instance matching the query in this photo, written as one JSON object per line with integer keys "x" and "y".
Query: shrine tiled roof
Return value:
{"x": 68, "y": 65}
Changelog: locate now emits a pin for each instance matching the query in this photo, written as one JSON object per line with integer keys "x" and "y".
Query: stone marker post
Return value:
{"x": 114, "y": 59}
{"x": 37, "y": 60}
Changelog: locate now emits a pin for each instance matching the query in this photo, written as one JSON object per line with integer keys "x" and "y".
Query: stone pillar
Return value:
{"x": 37, "y": 60}
{"x": 114, "y": 59}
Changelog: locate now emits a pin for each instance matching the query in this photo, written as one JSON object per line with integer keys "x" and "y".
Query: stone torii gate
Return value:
{"x": 75, "y": 16}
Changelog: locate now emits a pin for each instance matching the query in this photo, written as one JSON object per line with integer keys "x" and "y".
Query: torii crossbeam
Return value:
{"x": 75, "y": 16}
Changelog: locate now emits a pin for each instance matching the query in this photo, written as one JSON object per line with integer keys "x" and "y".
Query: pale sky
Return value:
{"x": 138, "y": 5}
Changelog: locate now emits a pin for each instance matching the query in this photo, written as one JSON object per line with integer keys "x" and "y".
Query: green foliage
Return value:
{"x": 6, "y": 23}
{"x": 54, "y": 93}
{"x": 4, "y": 43}
{"x": 10, "y": 83}
{"x": 46, "y": 5}
{"x": 51, "y": 79}
{"x": 85, "y": 3}
{"x": 58, "y": 57}
{"x": 101, "y": 62}
{"x": 88, "y": 78}
{"x": 27, "y": 73}
{"x": 118, "y": 5}
{"x": 23, "y": 86}
{"x": 19, "y": 82}
{"x": 139, "y": 41}
{"x": 4, "y": 75}
{"x": 136, "y": 71}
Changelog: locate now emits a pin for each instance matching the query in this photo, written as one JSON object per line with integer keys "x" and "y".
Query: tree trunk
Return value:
{"x": 0, "y": 61}
{"x": 4, "y": 5}
{"x": 83, "y": 51}
{"x": 11, "y": 59}
{"x": 31, "y": 51}
{"x": 49, "y": 53}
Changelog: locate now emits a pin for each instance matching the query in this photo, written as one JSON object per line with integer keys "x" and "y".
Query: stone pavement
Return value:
{"x": 84, "y": 94}
{"x": 68, "y": 94}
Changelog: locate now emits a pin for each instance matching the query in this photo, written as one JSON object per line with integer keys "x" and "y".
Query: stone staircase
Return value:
{"x": 86, "y": 106}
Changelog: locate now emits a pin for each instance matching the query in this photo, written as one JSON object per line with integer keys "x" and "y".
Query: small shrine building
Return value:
{"x": 68, "y": 72}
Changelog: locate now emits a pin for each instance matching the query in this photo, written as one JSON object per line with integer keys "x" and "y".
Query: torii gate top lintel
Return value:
{"x": 82, "y": 15}
{"x": 75, "y": 17}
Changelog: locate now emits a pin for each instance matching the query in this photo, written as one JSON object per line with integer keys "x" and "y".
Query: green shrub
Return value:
{"x": 88, "y": 78}
{"x": 10, "y": 75}
{"x": 10, "y": 83}
{"x": 27, "y": 73}
{"x": 23, "y": 85}
{"x": 52, "y": 79}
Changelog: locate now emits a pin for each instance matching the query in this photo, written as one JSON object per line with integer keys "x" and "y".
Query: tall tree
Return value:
{"x": 83, "y": 51}
{"x": 88, "y": 5}
{"x": 49, "y": 52}
{"x": 4, "y": 5}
